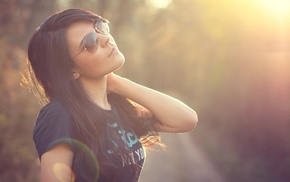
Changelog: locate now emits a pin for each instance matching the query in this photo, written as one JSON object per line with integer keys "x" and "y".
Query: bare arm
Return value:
{"x": 56, "y": 164}
{"x": 174, "y": 115}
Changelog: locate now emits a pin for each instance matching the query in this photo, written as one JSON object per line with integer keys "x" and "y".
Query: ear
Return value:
{"x": 75, "y": 75}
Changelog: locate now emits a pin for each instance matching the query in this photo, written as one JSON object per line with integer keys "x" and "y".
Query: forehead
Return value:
{"x": 76, "y": 31}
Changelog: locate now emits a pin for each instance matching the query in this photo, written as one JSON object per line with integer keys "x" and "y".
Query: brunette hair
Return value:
{"x": 51, "y": 65}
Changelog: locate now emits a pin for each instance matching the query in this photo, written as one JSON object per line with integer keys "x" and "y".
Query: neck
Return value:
{"x": 97, "y": 91}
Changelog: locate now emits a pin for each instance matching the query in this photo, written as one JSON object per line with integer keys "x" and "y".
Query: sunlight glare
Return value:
{"x": 159, "y": 3}
{"x": 61, "y": 171}
{"x": 279, "y": 7}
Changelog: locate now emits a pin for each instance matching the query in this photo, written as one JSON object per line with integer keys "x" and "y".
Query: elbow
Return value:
{"x": 190, "y": 121}
{"x": 184, "y": 122}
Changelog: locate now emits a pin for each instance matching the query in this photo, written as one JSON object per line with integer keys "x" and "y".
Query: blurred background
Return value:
{"x": 227, "y": 59}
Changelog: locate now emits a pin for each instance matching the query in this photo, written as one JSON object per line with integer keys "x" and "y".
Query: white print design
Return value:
{"x": 131, "y": 158}
{"x": 141, "y": 154}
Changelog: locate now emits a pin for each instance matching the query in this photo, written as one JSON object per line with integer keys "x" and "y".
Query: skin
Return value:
{"x": 95, "y": 72}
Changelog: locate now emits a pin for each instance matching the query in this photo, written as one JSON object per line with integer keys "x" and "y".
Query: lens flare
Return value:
{"x": 61, "y": 168}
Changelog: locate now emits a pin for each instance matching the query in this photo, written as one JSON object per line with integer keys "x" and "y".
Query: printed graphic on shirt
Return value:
{"x": 133, "y": 157}
{"x": 131, "y": 143}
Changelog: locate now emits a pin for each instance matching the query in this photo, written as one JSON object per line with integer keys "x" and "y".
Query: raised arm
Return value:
{"x": 174, "y": 115}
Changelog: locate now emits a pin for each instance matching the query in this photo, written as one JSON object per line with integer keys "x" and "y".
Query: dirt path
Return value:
{"x": 181, "y": 162}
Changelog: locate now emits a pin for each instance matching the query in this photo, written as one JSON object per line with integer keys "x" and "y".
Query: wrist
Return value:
{"x": 115, "y": 84}
{"x": 121, "y": 85}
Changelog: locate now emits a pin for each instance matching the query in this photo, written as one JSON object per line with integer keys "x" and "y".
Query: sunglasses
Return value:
{"x": 90, "y": 41}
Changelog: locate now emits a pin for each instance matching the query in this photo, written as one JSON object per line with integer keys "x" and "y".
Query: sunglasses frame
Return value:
{"x": 104, "y": 29}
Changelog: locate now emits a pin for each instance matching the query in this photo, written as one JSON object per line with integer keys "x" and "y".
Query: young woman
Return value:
{"x": 95, "y": 124}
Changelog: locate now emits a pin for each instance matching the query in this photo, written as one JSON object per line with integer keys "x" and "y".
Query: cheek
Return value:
{"x": 87, "y": 67}
{"x": 98, "y": 65}
{"x": 70, "y": 42}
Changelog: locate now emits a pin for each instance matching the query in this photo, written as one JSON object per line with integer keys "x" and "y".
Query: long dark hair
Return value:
{"x": 49, "y": 62}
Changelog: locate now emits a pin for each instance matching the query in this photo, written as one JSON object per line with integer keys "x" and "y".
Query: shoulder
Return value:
{"x": 53, "y": 111}
{"x": 53, "y": 114}
{"x": 54, "y": 108}
{"x": 52, "y": 124}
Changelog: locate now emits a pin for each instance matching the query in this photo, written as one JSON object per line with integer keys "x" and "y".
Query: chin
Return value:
{"x": 121, "y": 59}
{"x": 118, "y": 64}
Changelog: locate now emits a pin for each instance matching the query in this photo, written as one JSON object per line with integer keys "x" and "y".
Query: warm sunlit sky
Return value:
{"x": 160, "y": 3}
{"x": 277, "y": 7}
{"x": 273, "y": 7}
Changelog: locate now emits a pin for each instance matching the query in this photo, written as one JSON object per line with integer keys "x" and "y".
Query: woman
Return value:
{"x": 94, "y": 125}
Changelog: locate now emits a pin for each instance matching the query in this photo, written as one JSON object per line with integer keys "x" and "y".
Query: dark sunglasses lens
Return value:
{"x": 91, "y": 42}
{"x": 102, "y": 27}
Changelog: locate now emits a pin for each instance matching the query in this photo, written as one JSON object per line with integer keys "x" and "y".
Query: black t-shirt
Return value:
{"x": 53, "y": 126}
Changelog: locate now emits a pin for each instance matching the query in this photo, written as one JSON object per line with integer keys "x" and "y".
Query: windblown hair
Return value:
{"x": 51, "y": 67}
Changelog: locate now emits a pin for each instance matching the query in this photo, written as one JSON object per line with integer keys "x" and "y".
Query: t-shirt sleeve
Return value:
{"x": 53, "y": 126}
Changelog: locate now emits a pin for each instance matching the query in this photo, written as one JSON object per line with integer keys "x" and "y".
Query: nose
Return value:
{"x": 111, "y": 42}
{"x": 106, "y": 40}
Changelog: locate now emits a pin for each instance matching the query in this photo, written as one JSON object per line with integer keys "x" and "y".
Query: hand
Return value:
{"x": 112, "y": 81}
{"x": 174, "y": 115}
